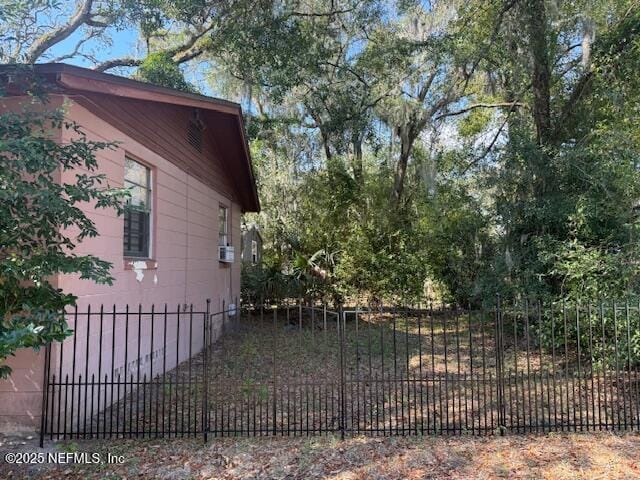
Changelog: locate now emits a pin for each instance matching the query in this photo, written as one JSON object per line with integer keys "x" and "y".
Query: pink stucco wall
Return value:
{"x": 184, "y": 271}
{"x": 185, "y": 234}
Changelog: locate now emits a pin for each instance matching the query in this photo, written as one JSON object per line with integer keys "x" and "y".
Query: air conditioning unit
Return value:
{"x": 226, "y": 254}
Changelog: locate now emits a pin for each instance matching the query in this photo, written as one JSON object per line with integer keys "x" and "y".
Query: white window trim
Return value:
{"x": 150, "y": 253}
{"x": 226, "y": 223}
{"x": 254, "y": 252}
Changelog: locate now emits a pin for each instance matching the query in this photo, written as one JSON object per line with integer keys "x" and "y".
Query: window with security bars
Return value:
{"x": 137, "y": 212}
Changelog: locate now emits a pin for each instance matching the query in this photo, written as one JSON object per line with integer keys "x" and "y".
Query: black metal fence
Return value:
{"x": 129, "y": 373}
{"x": 306, "y": 370}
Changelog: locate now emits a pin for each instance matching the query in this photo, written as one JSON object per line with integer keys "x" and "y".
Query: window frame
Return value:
{"x": 150, "y": 210}
{"x": 254, "y": 252}
{"x": 227, "y": 235}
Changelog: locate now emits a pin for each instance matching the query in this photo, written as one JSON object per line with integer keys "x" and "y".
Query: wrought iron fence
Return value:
{"x": 128, "y": 373}
{"x": 306, "y": 370}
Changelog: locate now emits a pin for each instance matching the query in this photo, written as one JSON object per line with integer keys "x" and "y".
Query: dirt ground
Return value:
{"x": 553, "y": 456}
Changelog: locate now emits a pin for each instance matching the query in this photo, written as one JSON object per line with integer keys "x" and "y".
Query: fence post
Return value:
{"x": 45, "y": 392}
{"x": 499, "y": 368}
{"x": 275, "y": 370}
{"x": 343, "y": 405}
{"x": 205, "y": 397}
{"x": 286, "y": 303}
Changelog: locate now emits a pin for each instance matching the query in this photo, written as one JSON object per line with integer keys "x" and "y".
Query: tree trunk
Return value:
{"x": 325, "y": 143}
{"x": 588, "y": 35}
{"x": 356, "y": 163}
{"x": 406, "y": 142}
{"x": 541, "y": 73}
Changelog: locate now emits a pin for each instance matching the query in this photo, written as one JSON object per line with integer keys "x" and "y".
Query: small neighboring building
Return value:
{"x": 251, "y": 245}
{"x": 186, "y": 160}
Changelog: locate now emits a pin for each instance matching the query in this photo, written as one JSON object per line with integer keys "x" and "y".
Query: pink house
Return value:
{"x": 187, "y": 163}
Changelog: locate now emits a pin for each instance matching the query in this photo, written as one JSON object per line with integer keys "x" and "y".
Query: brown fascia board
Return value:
{"x": 80, "y": 78}
{"x": 245, "y": 147}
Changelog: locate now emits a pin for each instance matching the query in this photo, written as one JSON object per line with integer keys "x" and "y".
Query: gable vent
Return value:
{"x": 195, "y": 131}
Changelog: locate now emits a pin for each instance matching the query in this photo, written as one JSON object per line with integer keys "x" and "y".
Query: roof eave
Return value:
{"x": 78, "y": 79}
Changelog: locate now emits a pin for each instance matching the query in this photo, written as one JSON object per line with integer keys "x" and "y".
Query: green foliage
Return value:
{"x": 267, "y": 284}
{"x": 567, "y": 206}
{"x": 458, "y": 245}
{"x": 380, "y": 250}
{"x": 41, "y": 224}
{"x": 607, "y": 331}
{"x": 160, "y": 69}
{"x": 474, "y": 123}
{"x": 489, "y": 206}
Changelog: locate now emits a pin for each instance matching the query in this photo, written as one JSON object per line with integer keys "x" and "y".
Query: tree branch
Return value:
{"x": 118, "y": 62}
{"x": 348, "y": 69}
{"x": 493, "y": 142}
{"x": 480, "y": 105}
{"x": 49, "y": 39}
{"x": 331, "y": 13}
{"x": 76, "y": 49}
{"x": 422, "y": 94}
{"x": 190, "y": 53}
{"x": 180, "y": 54}
{"x": 614, "y": 47}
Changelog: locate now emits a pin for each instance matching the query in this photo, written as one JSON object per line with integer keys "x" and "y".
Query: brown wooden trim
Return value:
{"x": 111, "y": 88}
{"x": 247, "y": 152}
{"x": 81, "y": 73}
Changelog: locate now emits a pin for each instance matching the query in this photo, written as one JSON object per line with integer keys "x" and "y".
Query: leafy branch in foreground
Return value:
{"x": 41, "y": 223}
